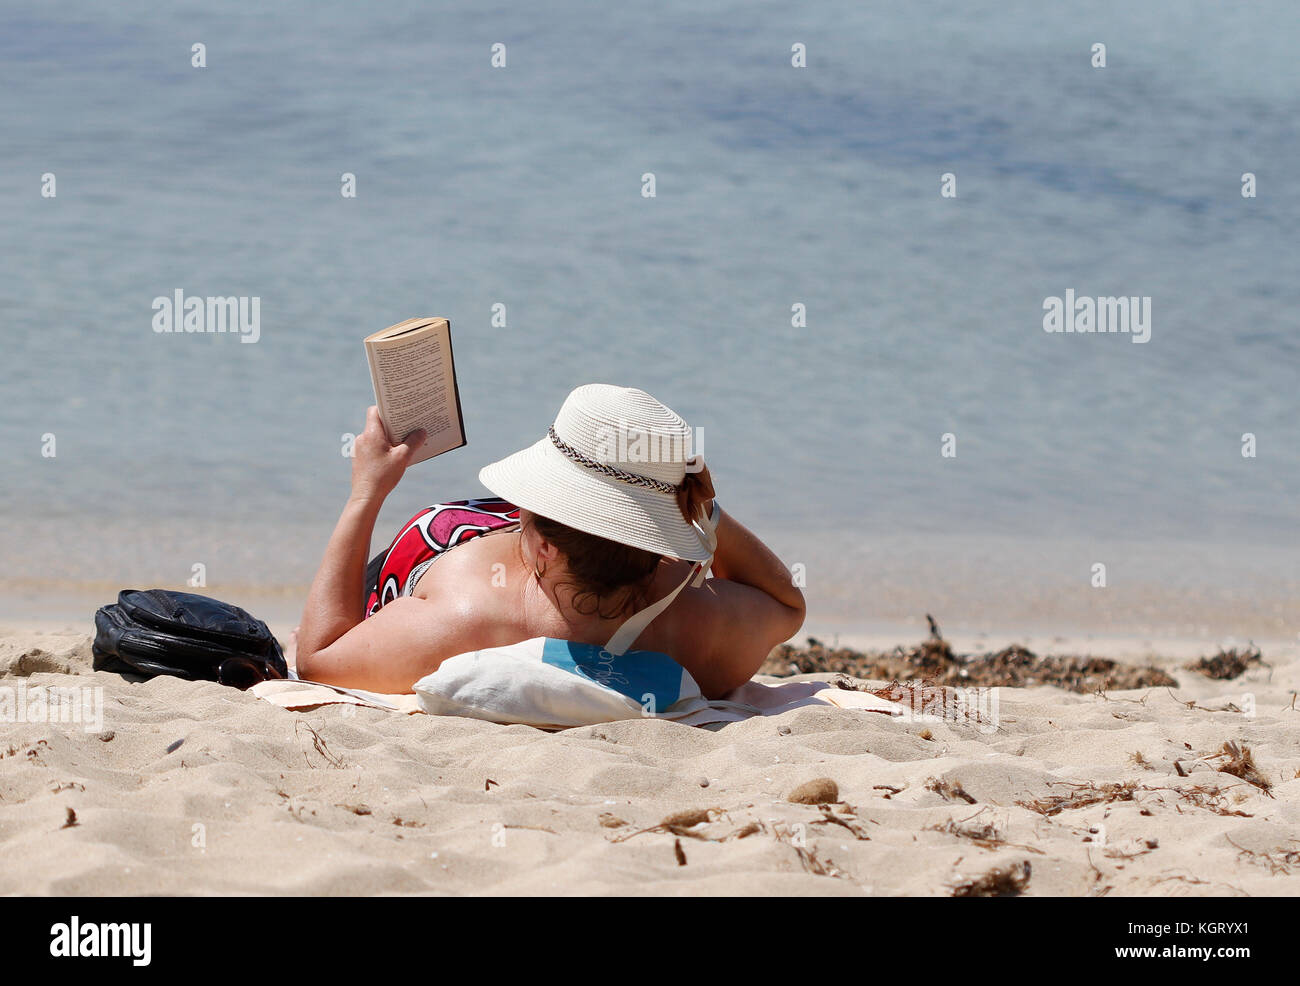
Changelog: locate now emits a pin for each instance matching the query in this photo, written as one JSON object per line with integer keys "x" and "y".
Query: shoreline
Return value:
{"x": 858, "y": 584}
{"x": 72, "y": 607}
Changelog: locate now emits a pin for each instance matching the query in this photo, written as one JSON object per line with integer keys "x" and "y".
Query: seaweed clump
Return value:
{"x": 1227, "y": 664}
{"x": 1239, "y": 761}
{"x": 1001, "y": 881}
{"x": 934, "y": 661}
{"x": 1083, "y": 796}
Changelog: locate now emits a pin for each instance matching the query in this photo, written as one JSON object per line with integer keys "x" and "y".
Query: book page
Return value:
{"x": 415, "y": 388}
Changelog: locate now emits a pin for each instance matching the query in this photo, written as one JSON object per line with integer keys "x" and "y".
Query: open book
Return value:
{"x": 415, "y": 384}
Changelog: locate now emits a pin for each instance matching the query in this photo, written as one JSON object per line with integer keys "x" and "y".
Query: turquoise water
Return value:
{"x": 775, "y": 186}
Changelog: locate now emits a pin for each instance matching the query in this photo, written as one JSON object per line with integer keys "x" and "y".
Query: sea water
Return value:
{"x": 864, "y": 350}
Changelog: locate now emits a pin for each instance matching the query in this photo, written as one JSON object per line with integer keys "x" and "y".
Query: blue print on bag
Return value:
{"x": 635, "y": 674}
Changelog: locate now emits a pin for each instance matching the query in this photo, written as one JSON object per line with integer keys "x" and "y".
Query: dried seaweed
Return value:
{"x": 808, "y": 858}
{"x": 1196, "y": 881}
{"x": 319, "y": 744}
{"x": 1001, "y": 881}
{"x": 922, "y": 697}
{"x": 1280, "y": 860}
{"x": 1208, "y": 797}
{"x": 934, "y": 662}
{"x": 680, "y": 823}
{"x": 1240, "y": 762}
{"x": 1143, "y": 847}
{"x": 817, "y": 866}
{"x": 1194, "y": 706}
{"x": 830, "y": 818}
{"x": 1137, "y": 759}
{"x": 948, "y": 790}
{"x": 1083, "y": 795}
{"x": 1227, "y": 664}
{"x": 985, "y": 836}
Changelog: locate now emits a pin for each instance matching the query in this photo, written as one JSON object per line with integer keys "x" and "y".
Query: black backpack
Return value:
{"x": 157, "y": 631}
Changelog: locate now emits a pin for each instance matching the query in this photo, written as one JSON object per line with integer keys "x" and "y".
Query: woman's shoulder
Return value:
{"x": 474, "y": 566}
{"x": 683, "y": 626}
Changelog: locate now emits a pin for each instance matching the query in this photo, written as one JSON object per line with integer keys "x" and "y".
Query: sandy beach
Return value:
{"x": 194, "y": 788}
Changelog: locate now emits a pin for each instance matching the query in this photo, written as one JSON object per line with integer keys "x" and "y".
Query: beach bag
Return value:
{"x": 158, "y": 631}
{"x": 555, "y": 684}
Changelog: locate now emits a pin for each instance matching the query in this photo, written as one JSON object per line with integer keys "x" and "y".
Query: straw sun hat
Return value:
{"x": 611, "y": 465}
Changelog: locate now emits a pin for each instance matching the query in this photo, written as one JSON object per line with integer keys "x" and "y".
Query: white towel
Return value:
{"x": 768, "y": 700}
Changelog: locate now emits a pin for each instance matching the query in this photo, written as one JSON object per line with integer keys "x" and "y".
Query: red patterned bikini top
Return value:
{"x": 424, "y": 537}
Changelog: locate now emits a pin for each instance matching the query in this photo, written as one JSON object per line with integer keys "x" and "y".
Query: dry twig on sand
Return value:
{"x": 948, "y": 790}
{"x": 808, "y": 858}
{"x": 680, "y": 823}
{"x": 318, "y": 743}
{"x": 1278, "y": 861}
{"x": 984, "y": 836}
{"x": 830, "y": 818}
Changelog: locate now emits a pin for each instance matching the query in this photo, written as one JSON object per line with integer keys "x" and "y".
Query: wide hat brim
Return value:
{"x": 542, "y": 480}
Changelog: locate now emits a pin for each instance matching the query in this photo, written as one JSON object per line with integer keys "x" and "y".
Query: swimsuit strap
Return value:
{"x": 625, "y": 636}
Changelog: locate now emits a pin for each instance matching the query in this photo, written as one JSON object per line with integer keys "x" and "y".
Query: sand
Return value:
{"x": 193, "y": 788}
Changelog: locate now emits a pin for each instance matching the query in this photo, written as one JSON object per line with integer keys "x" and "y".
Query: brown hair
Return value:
{"x": 608, "y": 577}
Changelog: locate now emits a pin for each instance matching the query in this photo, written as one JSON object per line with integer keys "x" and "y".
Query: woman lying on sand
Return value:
{"x": 586, "y": 539}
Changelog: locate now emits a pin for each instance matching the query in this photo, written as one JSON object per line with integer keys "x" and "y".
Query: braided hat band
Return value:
{"x": 577, "y": 473}
{"x": 571, "y": 453}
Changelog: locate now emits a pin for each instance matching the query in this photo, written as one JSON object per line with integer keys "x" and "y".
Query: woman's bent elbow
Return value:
{"x": 793, "y": 619}
{"x": 304, "y": 664}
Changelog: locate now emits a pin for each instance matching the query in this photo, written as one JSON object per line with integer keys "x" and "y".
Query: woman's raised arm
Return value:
{"x": 335, "y": 603}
